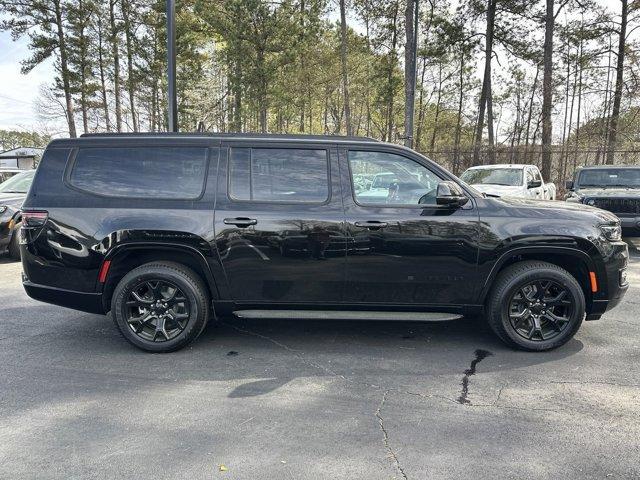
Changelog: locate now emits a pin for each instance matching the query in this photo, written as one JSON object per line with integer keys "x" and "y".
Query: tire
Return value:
{"x": 509, "y": 302}
{"x": 156, "y": 280}
{"x": 14, "y": 246}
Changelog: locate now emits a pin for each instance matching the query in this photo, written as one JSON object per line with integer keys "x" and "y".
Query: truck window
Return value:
{"x": 290, "y": 175}
{"x": 149, "y": 172}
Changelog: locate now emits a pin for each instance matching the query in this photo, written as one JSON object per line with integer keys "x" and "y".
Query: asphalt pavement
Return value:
{"x": 286, "y": 399}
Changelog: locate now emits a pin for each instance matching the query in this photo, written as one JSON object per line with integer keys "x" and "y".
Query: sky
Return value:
{"x": 17, "y": 91}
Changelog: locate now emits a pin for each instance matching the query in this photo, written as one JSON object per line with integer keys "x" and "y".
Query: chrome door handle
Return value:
{"x": 242, "y": 222}
{"x": 371, "y": 224}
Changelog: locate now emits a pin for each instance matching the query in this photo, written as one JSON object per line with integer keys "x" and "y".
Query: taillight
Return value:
{"x": 34, "y": 218}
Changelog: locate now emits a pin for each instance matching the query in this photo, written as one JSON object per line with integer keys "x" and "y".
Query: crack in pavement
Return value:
{"x": 385, "y": 435}
{"x": 480, "y": 355}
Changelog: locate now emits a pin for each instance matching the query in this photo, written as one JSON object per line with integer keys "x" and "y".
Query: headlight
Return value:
{"x": 613, "y": 233}
{"x": 3, "y": 208}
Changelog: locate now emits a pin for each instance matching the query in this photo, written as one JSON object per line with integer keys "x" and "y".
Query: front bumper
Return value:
{"x": 614, "y": 281}
{"x": 83, "y": 301}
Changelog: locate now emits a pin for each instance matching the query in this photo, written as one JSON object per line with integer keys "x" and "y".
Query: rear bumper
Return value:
{"x": 86, "y": 302}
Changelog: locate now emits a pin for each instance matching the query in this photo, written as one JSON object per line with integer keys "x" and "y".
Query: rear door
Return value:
{"x": 405, "y": 252}
{"x": 279, "y": 223}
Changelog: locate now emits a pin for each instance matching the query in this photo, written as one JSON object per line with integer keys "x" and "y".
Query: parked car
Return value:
{"x": 616, "y": 189}
{"x": 12, "y": 193}
{"x": 7, "y": 172}
{"x": 509, "y": 180}
{"x": 167, "y": 231}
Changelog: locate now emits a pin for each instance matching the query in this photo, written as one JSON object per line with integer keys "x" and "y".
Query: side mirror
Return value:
{"x": 449, "y": 193}
{"x": 534, "y": 184}
{"x": 569, "y": 184}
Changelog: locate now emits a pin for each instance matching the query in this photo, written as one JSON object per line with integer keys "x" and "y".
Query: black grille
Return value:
{"x": 629, "y": 206}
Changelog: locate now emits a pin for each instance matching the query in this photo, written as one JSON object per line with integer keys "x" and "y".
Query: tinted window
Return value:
{"x": 386, "y": 178}
{"x": 279, "y": 175}
{"x": 150, "y": 172}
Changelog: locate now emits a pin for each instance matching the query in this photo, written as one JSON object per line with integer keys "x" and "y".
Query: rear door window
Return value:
{"x": 148, "y": 172}
{"x": 288, "y": 175}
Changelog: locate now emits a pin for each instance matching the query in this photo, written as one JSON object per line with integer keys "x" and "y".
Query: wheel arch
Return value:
{"x": 126, "y": 257}
{"x": 577, "y": 262}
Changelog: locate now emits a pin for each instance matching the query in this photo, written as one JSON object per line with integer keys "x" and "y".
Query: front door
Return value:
{"x": 279, "y": 223}
{"x": 406, "y": 249}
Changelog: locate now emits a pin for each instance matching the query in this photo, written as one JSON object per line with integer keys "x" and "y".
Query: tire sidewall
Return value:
{"x": 14, "y": 246}
{"x": 542, "y": 274}
{"x": 197, "y": 310}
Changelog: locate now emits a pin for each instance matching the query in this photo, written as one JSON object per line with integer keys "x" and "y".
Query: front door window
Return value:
{"x": 381, "y": 178}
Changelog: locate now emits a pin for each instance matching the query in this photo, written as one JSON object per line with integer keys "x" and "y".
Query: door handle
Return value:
{"x": 242, "y": 222}
{"x": 371, "y": 224}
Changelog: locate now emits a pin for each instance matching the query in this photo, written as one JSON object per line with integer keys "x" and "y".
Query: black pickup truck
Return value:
{"x": 616, "y": 189}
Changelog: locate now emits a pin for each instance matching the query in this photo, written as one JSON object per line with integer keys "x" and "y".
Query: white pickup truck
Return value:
{"x": 510, "y": 180}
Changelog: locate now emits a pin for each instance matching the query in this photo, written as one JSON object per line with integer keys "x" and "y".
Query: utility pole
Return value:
{"x": 172, "y": 101}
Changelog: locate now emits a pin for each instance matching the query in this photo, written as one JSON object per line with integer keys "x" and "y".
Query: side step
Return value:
{"x": 347, "y": 315}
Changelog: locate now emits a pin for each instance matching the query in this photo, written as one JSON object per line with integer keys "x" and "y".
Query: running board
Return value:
{"x": 347, "y": 315}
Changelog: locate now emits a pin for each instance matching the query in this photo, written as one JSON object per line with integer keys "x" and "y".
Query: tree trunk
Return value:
{"x": 64, "y": 70}
{"x": 617, "y": 94}
{"x": 486, "y": 79}
{"x": 343, "y": 59}
{"x": 456, "y": 141}
{"x": 418, "y": 138}
{"x": 392, "y": 60}
{"x": 101, "y": 67}
{"x": 547, "y": 91}
{"x": 410, "y": 51}
{"x": 436, "y": 117}
{"x": 116, "y": 64}
{"x": 130, "y": 77}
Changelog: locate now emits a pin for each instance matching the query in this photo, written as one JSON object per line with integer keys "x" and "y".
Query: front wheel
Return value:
{"x": 160, "y": 307}
{"x": 535, "y": 306}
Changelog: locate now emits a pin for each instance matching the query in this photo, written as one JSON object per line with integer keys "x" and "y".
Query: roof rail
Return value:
{"x": 265, "y": 136}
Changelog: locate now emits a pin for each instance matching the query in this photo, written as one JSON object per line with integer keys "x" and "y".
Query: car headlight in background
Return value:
{"x": 3, "y": 208}
{"x": 613, "y": 233}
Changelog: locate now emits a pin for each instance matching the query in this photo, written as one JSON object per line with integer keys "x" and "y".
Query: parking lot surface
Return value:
{"x": 292, "y": 399}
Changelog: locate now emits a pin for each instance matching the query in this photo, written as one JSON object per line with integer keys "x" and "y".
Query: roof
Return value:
{"x": 502, "y": 165}
{"x": 222, "y": 136}
{"x": 604, "y": 167}
{"x": 22, "y": 152}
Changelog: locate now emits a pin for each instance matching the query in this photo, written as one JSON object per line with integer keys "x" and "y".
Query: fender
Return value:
{"x": 197, "y": 254}
{"x": 593, "y": 266}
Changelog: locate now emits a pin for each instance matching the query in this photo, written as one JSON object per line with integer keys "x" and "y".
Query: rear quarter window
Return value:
{"x": 140, "y": 172}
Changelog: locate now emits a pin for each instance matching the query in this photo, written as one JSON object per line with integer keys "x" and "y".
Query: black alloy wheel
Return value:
{"x": 535, "y": 305}
{"x": 161, "y": 306}
{"x": 541, "y": 310}
{"x": 157, "y": 310}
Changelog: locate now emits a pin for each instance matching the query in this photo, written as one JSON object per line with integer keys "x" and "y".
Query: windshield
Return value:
{"x": 510, "y": 177}
{"x": 19, "y": 183}
{"x": 610, "y": 177}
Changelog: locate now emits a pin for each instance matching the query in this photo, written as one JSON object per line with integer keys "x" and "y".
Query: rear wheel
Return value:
{"x": 14, "y": 246}
{"x": 535, "y": 306}
{"x": 160, "y": 307}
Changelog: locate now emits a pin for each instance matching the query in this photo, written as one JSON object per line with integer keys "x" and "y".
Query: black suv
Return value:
{"x": 168, "y": 231}
{"x": 612, "y": 188}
